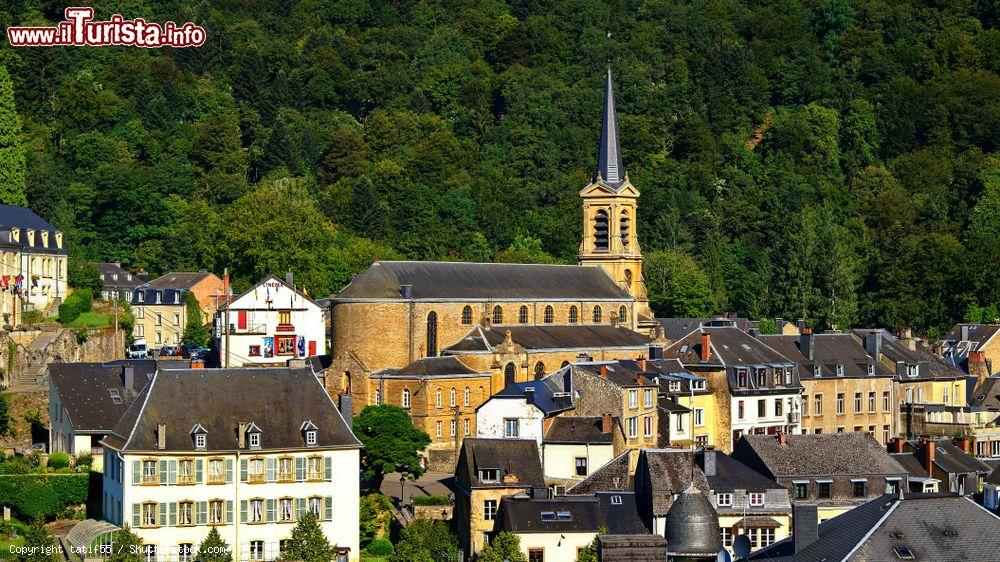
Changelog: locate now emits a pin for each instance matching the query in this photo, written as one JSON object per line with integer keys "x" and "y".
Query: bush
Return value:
{"x": 380, "y": 547}
{"x": 76, "y": 304}
{"x": 431, "y": 500}
{"x": 84, "y": 460}
{"x": 43, "y": 495}
{"x": 58, "y": 460}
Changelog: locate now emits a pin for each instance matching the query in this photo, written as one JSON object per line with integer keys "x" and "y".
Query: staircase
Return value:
{"x": 30, "y": 371}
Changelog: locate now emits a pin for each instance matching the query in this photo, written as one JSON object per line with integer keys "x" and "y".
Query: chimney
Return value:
{"x": 604, "y": 371}
{"x": 964, "y": 443}
{"x": 347, "y": 409}
{"x": 927, "y": 448}
{"x": 807, "y": 343}
{"x": 128, "y": 377}
{"x": 161, "y": 436}
{"x": 706, "y": 347}
{"x": 656, "y": 352}
{"x": 937, "y": 349}
{"x": 241, "y": 434}
{"x": 406, "y": 291}
{"x": 289, "y": 278}
{"x": 197, "y": 363}
{"x": 606, "y": 423}
{"x": 642, "y": 364}
{"x": 709, "y": 468}
{"x": 529, "y": 395}
{"x": 783, "y": 438}
{"x": 965, "y": 332}
{"x": 225, "y": 284}
{"x": 896, "y": 445}
{"x": 805, "y": 526}
{"x": 873, "y": 344}
{"x": 906, "y": 336}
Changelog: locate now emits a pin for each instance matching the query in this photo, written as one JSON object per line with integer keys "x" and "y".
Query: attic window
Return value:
{"x": 675, "y": 386}
{"x": 911, "y": 370}
{"x": 253, "y": 439}
{"x": 616, "y": 500}
{"x": 489, "y": 475}
{"x": 871, "y": 368}
{"x": 698, "y": 385}
{"x": 564, "y": 516}
{"x": 840, "y": 370}
{"x": 116, "y": 396}
{"x": 817, "y": 369}
{"x": 200, "y": 441}
{"x": 904, "y": 553}
{"x": 548, "y": 515}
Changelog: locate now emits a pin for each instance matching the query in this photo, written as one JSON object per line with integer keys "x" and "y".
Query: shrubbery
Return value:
{"x": 380, "y": 547}
{"x": 43, "y": 495}
{"x": 58, "y": 460}
{"x": 76, "y": 304}
{"x": 431, "y": 500}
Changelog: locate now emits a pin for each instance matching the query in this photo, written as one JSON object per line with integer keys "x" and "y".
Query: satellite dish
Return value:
{"x": 741, "y": 546}
{"x": 723, "y": 556}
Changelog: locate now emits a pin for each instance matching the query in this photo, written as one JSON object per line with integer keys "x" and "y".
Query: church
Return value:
{"x": 440, "y": 338}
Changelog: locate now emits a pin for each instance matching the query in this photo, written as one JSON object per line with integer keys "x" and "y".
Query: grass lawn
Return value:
{"x": 5, "y": 545}
{"x": 92, "y": 320}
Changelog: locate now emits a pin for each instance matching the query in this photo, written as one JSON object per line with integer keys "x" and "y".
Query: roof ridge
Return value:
{"x": 142, "y": 408}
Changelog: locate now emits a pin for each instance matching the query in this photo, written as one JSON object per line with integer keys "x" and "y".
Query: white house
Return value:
{"x": 574, "y": 447}
{"x": 269, "y": 324}
{"x": 521, "y": 409}
{"x": 246, "y": 451}
{"x": 32, "y": 263}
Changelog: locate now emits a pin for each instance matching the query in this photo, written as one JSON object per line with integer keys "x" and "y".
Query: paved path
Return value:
{"x": 430, "y": 484}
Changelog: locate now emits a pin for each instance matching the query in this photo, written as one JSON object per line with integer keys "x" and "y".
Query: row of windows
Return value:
{"x": 759, "y": 537}
{"x": 754, "y": 499}
{"x": 859, "y": 403}
{"x": 466, "y": 429}
{"x": 823, "y": 489}
{"x": 648, "y": 398}
{"x": 186, "y": 513}
{"x": 777, "y": 411}
{"x": 256, "y": 470}
{"x": 406, "y": 397}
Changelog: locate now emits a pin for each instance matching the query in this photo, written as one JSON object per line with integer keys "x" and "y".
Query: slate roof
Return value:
{"x": 610, "y": 168}
{"x": 819, "y": 455}
{"x": 978, "y": 335}
{"x": 113, "y": 276}
{"x": 277, "y": 400}
{"x": 428, "y": 367}
{"x": 953, "y": 460}
{"x": 994, "y": 477}
{"x": 692, "y": 525}
{"x": 897, "y": 356}
{"x": 987, "y": 397}
{"x": 85, "y": 390}
{"x": 911, "y": 464}
{"x": 144, "y": 296}
{"x": 732, "y": 349}
{"x": 829, "y": 350}
{"x": 178, "y": 280}
{"x": 612, "y": 477}
{"x": 549, "y": 395}
{"x": 676, "y": 328}
{"x": 626, "y": 374}
{"x": 934, "y": 527}
{"x": 731, "y": 475}
{"x": 587, "y": 514}
{"x": 512, "y": 457}
{"x": 478, "y": 281}
{"x": 667, "y": 473}
{"x": 550, "y": 337}
{"x": 24, "y": 218}
{"x": 578, "y": 429}
{"x": 633, "y": 548}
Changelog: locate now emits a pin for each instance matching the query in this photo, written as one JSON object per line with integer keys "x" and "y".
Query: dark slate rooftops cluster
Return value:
{"x": 279, "y": 401}
{"x": 730, "y": 474}
{"x": 743, "y": 357}
{"x": 513, "y": 462}
{"x": 816, "y": 455}
{"x": 178, "y": 280}
{"x": 113, "y": 276}
{"x": 626, "y": 374}
{"x": 949, "y": 458}
{"x": 548, "y": 395}
{"x": 550, "y": 337}
{"x": 581, "y": 429}
{"x": 676, "y": 328}
{"x": 616, "y": 512}
{"x": 987, "y": 397}
{"x": 830, "y": 352}
{"x": 975, "y": 334}
{"x": 144, "y": 296}
{"x": 420, "y": 280}
{"x": 94, "y": 394}
{"x": 930, "y": 527}
{"x": 665, "y": 473}
{"x": 26, "y": 219}
{"x": 911, "y": 464}
{"x": 898, "y": 356}
{"x": 430, "y": 367}
{"x": 614, "y": 476}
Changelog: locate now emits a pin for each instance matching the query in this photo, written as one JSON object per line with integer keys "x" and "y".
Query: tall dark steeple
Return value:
{"x": 609, "y": 155}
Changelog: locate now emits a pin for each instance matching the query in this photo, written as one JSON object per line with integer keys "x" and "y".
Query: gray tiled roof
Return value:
{"x": 114, "y": 277}
{"x": 24, "y": 218}
{"x": 676, "y": 328}
{"x": 733, "y": 349}
{"x": 829, "y": 350}
{"x": 516, "y": 459}
{"x": 587, "y": 514}
{"x": 578, "y": 429}
{"x": 477, "y": 281}
{"x": 430, "y": 367}
{"x": 821, "y": 455}
{"x": 612, "y": 477}
{"x": 277, "y": 400}
{"x": 665, "y": 473}
{"x": 551, "y": 336}
{"x": 731, "y": 475}
{"x": 178, "y": 280}
{"x": 85, "y": 390}
{"x": 549, "y": 395}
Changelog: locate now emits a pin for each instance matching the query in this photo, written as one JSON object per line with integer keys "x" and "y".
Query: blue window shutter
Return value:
{"x": 162, "y": 520}
{"x": 272, "y": 470}
{"x": 136, "y": 473}
{"x": 328, "y": 508}
{"x": 229, "y": 471}
{"x": 199, "y": 471}
{"x": 271, "y": 509}
{"x": 136, "y": 517}
{"x": 328, "y": 468}
{"x": 229, "y": 512}
{"x": 171, "y": 472}
{"x": 300, "y": 507}
{"x": 173, "y": 514}
{"x": 300, "y": 469}
{"x": 202, "y": 513}
{"x": 162, "y": 465}
{"x": 243, "y": 511}
{"x": 243, "y": 470}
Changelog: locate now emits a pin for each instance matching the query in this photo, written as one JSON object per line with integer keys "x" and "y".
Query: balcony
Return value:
{"x": 150, "y": 479}
{"x": 185, "y": 479}
{"x": 216, "y": 479}
{"x": 256, "y": 478}
{"x": 313, "y": 476}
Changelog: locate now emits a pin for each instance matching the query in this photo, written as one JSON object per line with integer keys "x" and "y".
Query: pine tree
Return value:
{"x": 11, "y": 152}
{"x": 505, "y": 547}
{"x": 38, "y": 544}
{"x": 126, "y": 547}
{"x": 195, "y": 331}
{"x": 308, "y": 543}
{"x": 214, "y": 549}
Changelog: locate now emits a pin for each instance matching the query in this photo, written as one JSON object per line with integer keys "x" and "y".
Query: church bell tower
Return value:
{"x": 609, "y": 213}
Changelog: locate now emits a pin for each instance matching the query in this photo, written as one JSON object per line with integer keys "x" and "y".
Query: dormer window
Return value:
{"x": 741, "y": 378}
{"x": 311, "y": 437}
{"x": 114, "y": 276}
{"x": 817, "y": 370}
{"x": 675, "y": 386}
{"x": 489, "y": 475}
{"x": 871, "y": 368}
{"x": 157, "y": 297}
{"x": 840, "y": 370}
{"x": 138, "y": 296}
{"x": 911, "y": 370}
{"x": 698, "y": 385}
{"x": 308, "y": 429}
{"x": 253, "y": 436}
{"x": 200, "y": 437}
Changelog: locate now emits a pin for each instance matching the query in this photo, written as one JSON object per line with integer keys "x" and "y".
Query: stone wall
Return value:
{"x": 438, "y": 512}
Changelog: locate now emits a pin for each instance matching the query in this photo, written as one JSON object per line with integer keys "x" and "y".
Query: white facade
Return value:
{"x": 746, "y": 410}
{"x": 560, "y": 460}
{"x": 253, "y": 498}
{"x": 268, "y": 325}
{"x": 33, "y": 264}
{"x": 498, "y": 416}
{"x": 555, "y": 547}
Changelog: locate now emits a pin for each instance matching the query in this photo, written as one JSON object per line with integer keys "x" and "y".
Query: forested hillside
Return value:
{"x": 832, "y": 159}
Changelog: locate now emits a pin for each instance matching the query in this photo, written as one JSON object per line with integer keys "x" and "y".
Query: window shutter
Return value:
{"x": 199, "y": 471}
{"x": 202, "y": 513}
{"x": 243, "y": 511}
{"x": 328, "y": 508}
{"x": 136, "y": 521}
{"x": 300, "y": 469}
{"x": 300, "y": 507}
{"x": 328, "y": 468}
{"x": 272, "y": 470}
{"x": 229, "y": 471}
{"x": 136, "y": 473}
{"x": 162, "y": 519}
{"x": 171, "y": 472}
{"x": 243, "y": 470}
{"x": 229, "y": 512}
{"x": 173, "y": 514}
{"x": 162, "y": 466}
{"x": 271, "y": 509}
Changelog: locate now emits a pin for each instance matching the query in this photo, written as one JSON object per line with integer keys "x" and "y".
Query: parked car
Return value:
{"x": 137, "y": 350}
{"x": 195, "y": 352}
{"x": 169, "y": 351}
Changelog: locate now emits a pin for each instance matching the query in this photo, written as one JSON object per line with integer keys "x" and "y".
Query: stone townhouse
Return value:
{"x": 246, "y": 451}
{"x": 523, "y": 410}
{"x": 978, "y": 342}
{"x": 488, "y": 470}
{"x": 686, "y": 406}
{"x": 159, "y": 309}
{"x": 575, "y": 446}
{"x": 756, "y": 389}
{"x": 844, "y": 388}
{"x": 118, "y": 283}
{"x": 954, "y": 469}
{"x": 836, "y": 471}
{"x": 32, "y": 264}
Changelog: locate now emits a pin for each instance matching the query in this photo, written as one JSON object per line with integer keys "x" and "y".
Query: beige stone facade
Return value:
{"x": 849, "y": 404}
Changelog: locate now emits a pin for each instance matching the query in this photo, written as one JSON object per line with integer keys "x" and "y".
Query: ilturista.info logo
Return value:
{"x": 80, "y": 30}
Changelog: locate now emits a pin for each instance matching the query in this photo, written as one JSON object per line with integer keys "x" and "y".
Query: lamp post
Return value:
{"x": 402, "y": 483}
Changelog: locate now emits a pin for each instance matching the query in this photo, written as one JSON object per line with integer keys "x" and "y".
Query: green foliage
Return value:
{"x": 308, "y": 543}
{"x": 195, "y": 329}
{"x": 41, "y": 495}
{"x": 375, "y": 517}
{"x": 589, "y": 553}
{"x": 437, "y": 499}
{"x": 12, "y": 161}
{"x": 39, "y": 546}
{"x": 525, "y": 249}
{"x": 126, "y": 547}
{"x": 80, "y": 301}
{"x": 213, "y": 548}
{"x": 84, "y": 275}
{"x": 4, "y": 414}
{"x": 58, "y": 460}
{"x": 392, "y": 443}
{"x": 83, "y": 461}
{"x": 503, "y": 547}
{"x": 380, "y": 547}
{"x": 677, "y": 286}
{"x": 767, "y": 326}
{"x": 425, "y": 540}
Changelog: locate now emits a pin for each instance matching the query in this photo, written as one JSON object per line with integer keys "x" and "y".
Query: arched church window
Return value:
{"x": 623, "y": 314}
{"x": 467, "y": 315}
{"x": 598, "y": 314}
{"x": 437, "y": 399}
{"x": 466, "y": 396}
{"x": 432, "y": 334}
{"x": 522, "y": 315}
{"x": 601, "y": 231}
{"x": 548, "y": 314}
{"x": 509, "y": 374}
{"x": 539, "y": 371}
{"x": 574, "y": 315}
{"x": 628, "y": 278}
{"x": 624, "y": 228}
{"x": 406, "y": 398}
{"x": 497, "y": 315}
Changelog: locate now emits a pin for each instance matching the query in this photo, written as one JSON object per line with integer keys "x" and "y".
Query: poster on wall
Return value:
{"x": 300, "y": 349}
{"x": 268, "y": 347}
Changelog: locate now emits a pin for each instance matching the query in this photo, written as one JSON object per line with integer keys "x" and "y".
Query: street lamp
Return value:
{"x": 402, "y": 482}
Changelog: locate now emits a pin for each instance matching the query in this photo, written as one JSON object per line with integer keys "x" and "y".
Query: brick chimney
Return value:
{"x": 927, "y": 450}
{"x": 706, "y": 347}
{"x": 807, "y": 343}
{"x": 783, "y": 438}
{"x": 937, "y": 349}
{"x": 895, "y": 445}
{"x": 642, "y": 363}
{"x": 606, "y": 423}
{"x": 197, "y": 364}
{"x": 604, "y": 371}
{"x": 907, "y": 339}
{"x": 964, "y": 443}
{"x": 161, "y": 436}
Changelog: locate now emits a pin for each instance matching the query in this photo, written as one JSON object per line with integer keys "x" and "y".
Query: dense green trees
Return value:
{"x": 195, "y": 329}
{"x": 392, "y": 443}
{"x": 823, "y": 158}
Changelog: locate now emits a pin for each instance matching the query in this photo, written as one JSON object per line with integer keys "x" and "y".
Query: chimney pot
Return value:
{"x": 805, "y": 526}
{"x": 807, "y": 343}
{"x": 783, "y": 438}
{"x": 709, "y": 468}
{"x": 706, "y": 347}
{"x": 604, "y": 371}
{"x": 161, "y": 436}
{"x": 606, "y": 423}
{"x": 241, "y": 434}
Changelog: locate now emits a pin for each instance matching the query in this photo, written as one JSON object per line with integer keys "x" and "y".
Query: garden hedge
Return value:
{"x": 45, "y": 495}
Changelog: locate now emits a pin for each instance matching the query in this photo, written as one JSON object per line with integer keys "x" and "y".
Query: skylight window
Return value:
{"x": 616, "y": 500}
{"x": 116, "y": 396}
{"x": 548, "y": 516}
{"x": 564, "y": 516}
{"x": 904, "y": 553}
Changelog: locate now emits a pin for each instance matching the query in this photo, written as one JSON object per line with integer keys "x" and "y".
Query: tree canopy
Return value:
{"x": 392, "y": 443}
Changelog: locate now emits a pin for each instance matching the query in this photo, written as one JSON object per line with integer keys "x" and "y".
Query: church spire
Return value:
{"x": 609, "y": 155}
